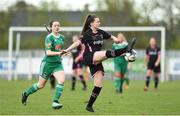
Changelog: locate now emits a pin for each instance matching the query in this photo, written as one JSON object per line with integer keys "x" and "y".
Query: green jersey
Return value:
{"x": 115, "y": 46}
{"x": 53, "y": 43}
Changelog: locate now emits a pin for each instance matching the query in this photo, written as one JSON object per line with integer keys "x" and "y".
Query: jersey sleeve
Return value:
{"x": 105, "y": 34}
{"x": 48, "y": 43}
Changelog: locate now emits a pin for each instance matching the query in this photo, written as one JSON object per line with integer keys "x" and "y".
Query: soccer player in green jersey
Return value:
{"x": 120, "y": 64}
{"x": 51, "y": 64}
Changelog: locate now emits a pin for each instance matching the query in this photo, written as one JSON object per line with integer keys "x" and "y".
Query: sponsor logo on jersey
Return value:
{"x": 57, "y": 47}
{"x": 98, "y": 42}
{"x": 152, "y": 53}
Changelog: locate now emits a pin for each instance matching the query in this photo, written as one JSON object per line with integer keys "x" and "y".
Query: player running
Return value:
{"x": 120, "y": 64}
{"x": 152, "y": 60}
{"x": 92, "y": 37}
{"x": 51, "y": 64}
{"x": 77, "y": 55}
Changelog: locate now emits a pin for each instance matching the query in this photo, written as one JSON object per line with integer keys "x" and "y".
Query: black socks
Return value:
{"x": 147, "y": 81}
{"x": 73, "y": 83}
{"x": 156, "y": 81}
{"x": 115, "y": 53}
{"x": 94, "y": 95}
{"x": 83, "y": 81}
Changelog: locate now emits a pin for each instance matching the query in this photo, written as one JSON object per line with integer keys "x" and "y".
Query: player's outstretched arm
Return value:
{"x": 52, "y": 53}
{"x": 72, "y": 46}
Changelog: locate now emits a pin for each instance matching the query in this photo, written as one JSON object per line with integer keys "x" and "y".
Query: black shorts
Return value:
{"x": 88, "y": 60}
{"x": 77, "y": 65}
{"x": 151, "y": 66}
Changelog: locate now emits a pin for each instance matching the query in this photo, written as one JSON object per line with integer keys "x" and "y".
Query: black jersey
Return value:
{"x": 94, "y": 41}
{"x": 75, "y": 52}
{"x": 152, "y": 53}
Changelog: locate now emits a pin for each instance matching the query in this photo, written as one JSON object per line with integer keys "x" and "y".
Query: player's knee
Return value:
{"x": 148, "y": 73}
{"x": 117, "y": 74}
{"x": 40, "y": 86}
{"x": 61, "y": 81}
{"x": 100, "y": 74}
{"x": 156, "y": 78}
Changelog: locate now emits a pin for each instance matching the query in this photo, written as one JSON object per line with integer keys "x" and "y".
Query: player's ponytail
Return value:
{"x": 88, "y": 20}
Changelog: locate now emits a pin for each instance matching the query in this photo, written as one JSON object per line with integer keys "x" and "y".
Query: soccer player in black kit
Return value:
{"x": 152, "y": 60}
{"x": 77, "y": 54}
{"x": 92, "y": 37}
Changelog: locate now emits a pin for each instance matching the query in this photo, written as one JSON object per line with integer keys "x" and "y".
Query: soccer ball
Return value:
{"x": 131, "y": 56}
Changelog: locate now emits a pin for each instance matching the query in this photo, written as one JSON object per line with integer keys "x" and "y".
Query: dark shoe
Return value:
{"x": 24, "y": 98}
{"x": 84, "y": 88}
{"x": 145, "y": 88}
{"x": 72, "y": 89}
{"x": 90, "y": 109}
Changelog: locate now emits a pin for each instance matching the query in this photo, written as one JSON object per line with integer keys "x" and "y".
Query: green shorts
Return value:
{"x": 48, "y": 68}
{"x": 120, "y": 67}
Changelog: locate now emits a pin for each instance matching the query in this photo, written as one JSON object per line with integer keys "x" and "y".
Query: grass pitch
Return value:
{"x": 133, "y": 101}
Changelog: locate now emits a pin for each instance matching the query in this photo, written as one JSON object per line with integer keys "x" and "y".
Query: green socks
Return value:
{"x": 57, "y": 95}
{"x": 58, "y": 91}
{"x": 126, "y": 80}
{"x": 32, "y": 89}
{"x": 117, "y": 83}
{"x": 121, "y": 85}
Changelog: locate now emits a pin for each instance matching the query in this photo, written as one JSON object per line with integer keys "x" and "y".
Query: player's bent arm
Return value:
{"x": 115, "y": 39}
{"x": 158, "y": 59}
{"x": 52, "y": 53}
{"x": 72, "y": 46}
{"x": 79, "y": 57}
{"x": 146, "y": 59}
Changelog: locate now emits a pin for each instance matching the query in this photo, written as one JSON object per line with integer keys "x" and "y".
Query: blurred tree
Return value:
{"x": 49, "y": 6}
{"x": 4, "y": 28}
{"x": 21, "y": 5}
{"x": 166, "y": 13}
{"x": 122, "y": 11}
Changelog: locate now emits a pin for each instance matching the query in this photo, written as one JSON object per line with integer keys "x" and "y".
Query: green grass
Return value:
{"x": 133, "y": 101}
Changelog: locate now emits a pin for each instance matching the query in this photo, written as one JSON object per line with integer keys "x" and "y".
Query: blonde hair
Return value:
{"x": 152, "y": 39}
{"x": 122, "y": 36}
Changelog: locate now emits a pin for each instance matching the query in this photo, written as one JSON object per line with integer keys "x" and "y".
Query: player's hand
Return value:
{"x": 144, "y": 66}
{"x": 63, "y": 52}
{"x": 156, "y": 64}
{"x": 76, "y": 60}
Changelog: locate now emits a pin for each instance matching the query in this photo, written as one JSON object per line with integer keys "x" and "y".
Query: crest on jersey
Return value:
{"x": 48, "y": 45}
{"x": 57, "y": 47}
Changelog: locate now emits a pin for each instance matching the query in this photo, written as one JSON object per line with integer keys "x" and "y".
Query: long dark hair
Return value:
{"x": 89, "y": 19}
{"x": 51, "y": 23}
